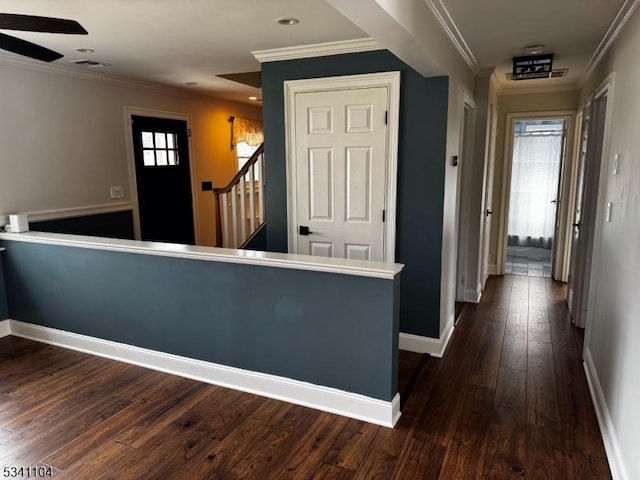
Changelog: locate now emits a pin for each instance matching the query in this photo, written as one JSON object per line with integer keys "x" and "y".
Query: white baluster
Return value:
{"x": 243, "y": 212}
{"x": 252, "y": 201}
{"x": 234, "y": 216}
{"x": 225, "y": 220}
{"x": 260, "y": 164}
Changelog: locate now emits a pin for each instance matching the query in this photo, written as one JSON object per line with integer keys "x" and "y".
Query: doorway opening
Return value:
{"x": 468, "y": 287}
{"x": 588, "y": 210}
{"x": 538, "y": 150}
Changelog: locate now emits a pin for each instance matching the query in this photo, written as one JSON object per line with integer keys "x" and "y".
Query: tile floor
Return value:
{"x": 528, "y": 261}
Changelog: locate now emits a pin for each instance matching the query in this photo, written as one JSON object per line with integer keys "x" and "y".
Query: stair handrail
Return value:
{"x": 257, "y": 155}
{"x": 242, "y": 172}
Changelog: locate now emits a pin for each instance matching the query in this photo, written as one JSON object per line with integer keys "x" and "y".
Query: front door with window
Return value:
{"x": 163, "y": 179}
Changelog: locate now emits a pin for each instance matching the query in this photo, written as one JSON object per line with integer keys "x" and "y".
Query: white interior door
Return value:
{"x": 340, "y": 174}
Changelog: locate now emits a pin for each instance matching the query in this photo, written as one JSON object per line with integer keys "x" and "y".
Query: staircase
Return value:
{"x": 240, "y": 205}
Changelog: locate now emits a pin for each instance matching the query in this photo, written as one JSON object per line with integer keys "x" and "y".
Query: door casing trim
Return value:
{"x": 129, "y": 112}
{"x": 505, "y": 192}
{"x": 391, "y": 80}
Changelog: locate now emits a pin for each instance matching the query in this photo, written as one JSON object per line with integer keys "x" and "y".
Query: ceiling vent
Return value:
{"x": 558, "y": 73}
{"x": 88, "y": 63}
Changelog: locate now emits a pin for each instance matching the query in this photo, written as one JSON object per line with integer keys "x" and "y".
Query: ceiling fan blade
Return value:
{"x": 32, "y": 23}
{"x": 27, "y": 49}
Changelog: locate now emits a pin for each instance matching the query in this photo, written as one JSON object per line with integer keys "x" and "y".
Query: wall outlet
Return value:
{"x": 117, "y": 191}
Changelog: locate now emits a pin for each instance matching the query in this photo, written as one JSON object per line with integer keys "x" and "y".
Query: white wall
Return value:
{"x": 63, "y": 140}
{"x": 613, "y": 330}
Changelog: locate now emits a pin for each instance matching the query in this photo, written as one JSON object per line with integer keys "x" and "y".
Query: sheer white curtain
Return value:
{"x": 534, "y": 184}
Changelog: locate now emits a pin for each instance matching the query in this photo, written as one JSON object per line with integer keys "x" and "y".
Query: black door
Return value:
{"x": 163, "y": 178}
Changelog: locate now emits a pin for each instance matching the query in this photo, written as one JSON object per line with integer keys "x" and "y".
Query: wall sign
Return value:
{"x": 532, "y": 66}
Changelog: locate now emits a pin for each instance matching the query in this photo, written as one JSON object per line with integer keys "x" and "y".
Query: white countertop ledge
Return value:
{"x": 341, "y": 266}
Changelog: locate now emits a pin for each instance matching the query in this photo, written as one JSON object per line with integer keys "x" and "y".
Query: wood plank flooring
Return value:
{"x": 509, "y": 400}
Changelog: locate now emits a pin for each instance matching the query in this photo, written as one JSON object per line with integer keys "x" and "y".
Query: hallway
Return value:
{"x": 510, "y": 399}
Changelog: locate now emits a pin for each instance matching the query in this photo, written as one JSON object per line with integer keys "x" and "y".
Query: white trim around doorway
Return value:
{"x": 391, "y": 80}
{"x": 131, "y": 165}
{"x": 505, "y": 191}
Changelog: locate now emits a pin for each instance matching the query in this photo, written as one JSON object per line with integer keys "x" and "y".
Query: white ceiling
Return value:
{"x": 177, "y": 41}
{"x": 497, "y": 30}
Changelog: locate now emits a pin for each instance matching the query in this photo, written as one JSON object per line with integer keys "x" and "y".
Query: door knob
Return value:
{"x": 488, "y": 212}
{"x": 304, "y": 230}
{"x": 554, "y": 201}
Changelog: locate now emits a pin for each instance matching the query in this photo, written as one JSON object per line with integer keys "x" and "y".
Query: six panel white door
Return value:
{"x": 341, "y": 172}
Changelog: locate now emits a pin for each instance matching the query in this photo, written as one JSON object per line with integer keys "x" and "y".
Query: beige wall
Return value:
{"x": 529, "y": 103}
{"x": 613, "y": 329}
{"x": 215, "y": 160}
{"x": 63, "y": 140}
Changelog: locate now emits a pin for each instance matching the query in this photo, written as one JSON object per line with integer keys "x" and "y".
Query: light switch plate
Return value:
{"x": 116, "y": 192}
{"x": 616, "y": 164}
{"x": 609, "y": 208}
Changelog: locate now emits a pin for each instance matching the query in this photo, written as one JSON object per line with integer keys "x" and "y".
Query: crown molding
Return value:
{"x": 538, "y": 89}
{"x": 611, "y": 35}
{"x": 93, "y": 76}
{"x": 317, "y": 50}
{"x": 451, "y": 29}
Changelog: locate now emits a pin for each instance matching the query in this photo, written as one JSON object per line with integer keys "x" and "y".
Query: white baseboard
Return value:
{"x": 5, "y": 328}
{"x": 493, "y": 269}
{"x": 327, "y": 399}
{"x": 433, "y": 346}
{"x": 614, "y": 453}
{"x": 473, "y": 295}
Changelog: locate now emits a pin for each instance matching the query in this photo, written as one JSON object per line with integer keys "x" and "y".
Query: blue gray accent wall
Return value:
{"x": 334, "y": 330}
{"x": 111, "y": 225}
{"x": 4, "y": 311}
{"x": 421, "y": 172}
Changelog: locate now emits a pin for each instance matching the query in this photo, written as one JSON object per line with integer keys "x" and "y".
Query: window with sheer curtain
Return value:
{"x": 247, "y": 137}
{"x": 534, "y": 185}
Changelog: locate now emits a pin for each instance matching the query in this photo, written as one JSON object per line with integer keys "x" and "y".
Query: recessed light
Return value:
{"x": 253, "y": 98}
{"x": 85, "y": 50}
{"x": 191, "y": 84}
{"x": 533, "y": 49}
{"x": 287, "y": 21}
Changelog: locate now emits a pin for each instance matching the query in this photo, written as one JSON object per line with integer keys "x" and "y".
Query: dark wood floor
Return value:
{"x": 509, "y": 400}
